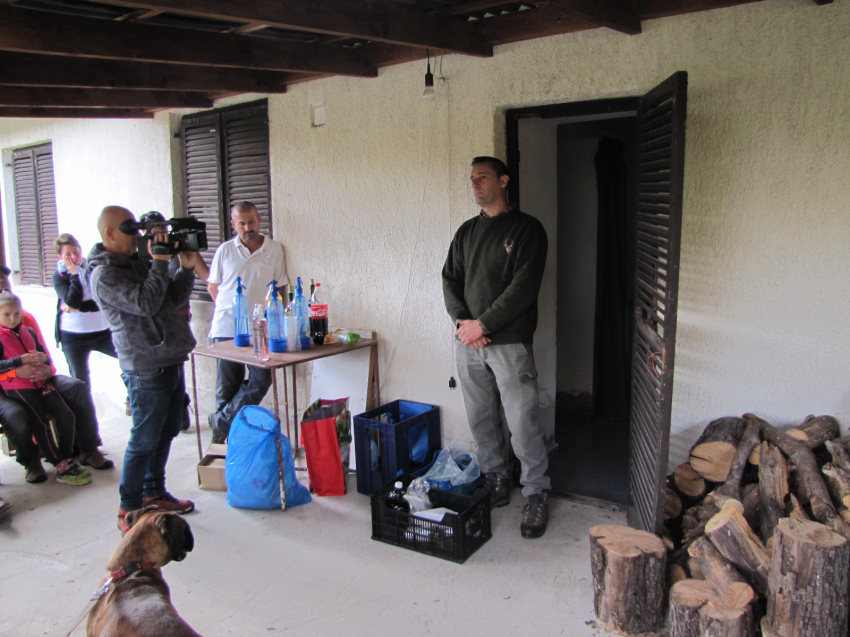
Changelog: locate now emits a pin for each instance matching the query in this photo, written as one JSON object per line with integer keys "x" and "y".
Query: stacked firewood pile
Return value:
{"x": 757, "y": 539}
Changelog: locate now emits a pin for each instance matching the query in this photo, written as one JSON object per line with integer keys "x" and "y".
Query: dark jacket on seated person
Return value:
{"x": 140, "y": 302}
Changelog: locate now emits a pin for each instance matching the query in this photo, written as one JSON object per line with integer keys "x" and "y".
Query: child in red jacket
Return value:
{"x": 51, "y": 420}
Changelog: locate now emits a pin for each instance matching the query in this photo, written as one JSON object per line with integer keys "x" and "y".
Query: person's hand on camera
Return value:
{"x": 159, "y": 238}
{"x": 69, "y": 263}
{"x": 188, "y": 259}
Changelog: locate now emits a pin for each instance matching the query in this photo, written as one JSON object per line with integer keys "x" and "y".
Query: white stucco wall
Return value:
{"x": 367, "y": 204}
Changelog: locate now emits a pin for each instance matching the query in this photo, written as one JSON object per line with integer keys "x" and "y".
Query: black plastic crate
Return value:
{"x": 402, "y": 446}
{"x": 455, "y": 538}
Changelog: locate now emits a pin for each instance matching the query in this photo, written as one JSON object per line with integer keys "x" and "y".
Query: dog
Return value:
{"x": 138, "y": 602}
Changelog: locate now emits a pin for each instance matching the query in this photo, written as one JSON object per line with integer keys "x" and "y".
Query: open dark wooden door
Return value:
{"x": 35, "y": 204}
{"x": 661, "y": 161}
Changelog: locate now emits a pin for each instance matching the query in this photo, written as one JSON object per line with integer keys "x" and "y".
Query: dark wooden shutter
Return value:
{"x": 35, "y": 204}
{"x": 226, "y": 158}
{"x": 202, "y": 160}
{"x": 246, "y": 160}
{"x": 661, "y": 160}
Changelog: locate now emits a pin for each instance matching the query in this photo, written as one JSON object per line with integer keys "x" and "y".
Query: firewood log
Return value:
{"x": 840, "y": 457}
{"x": 735, "y": 540}
{"x": 751, "y": 499}
{"x": 672, "y": 504}
{"x": 838, "y": 483}
{"x": 755, "y": 455}
{"x": 795, "y": 510}
{"x": 731, "y": 488}
{"x": 625, "y": 560}
{"x": 695, "y": 518}
{"x": 696, "y": 610}
{"x": 715, "y": 568}
{"x": 712, "y": 453}
{"x": 675, "y": 573}
{"x": 688, "y": 481}
{"x": 686, "y": 599}
{"x": 808, "y": 583}
{"x": 815, "y": 431}
{"x": 773, "y": 488}
{"x": 804, "y": 461}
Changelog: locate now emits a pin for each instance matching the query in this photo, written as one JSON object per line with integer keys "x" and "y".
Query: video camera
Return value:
{"x": 188, "y": 233}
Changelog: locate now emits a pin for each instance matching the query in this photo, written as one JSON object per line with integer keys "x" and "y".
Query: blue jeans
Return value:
{"x": 233, "y": 391}
{"x": 156, "y": 398}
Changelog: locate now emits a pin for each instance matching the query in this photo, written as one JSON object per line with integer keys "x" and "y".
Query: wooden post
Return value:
{"x": 624, "y": 560}
{"x": 808, "y": 584}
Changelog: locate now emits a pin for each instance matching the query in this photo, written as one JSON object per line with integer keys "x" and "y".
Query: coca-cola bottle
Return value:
{"x": 318, "y": 318}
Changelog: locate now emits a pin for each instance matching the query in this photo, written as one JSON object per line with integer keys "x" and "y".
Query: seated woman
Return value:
{"x": 80, "y": 326}
{"x": 51, "y": 421}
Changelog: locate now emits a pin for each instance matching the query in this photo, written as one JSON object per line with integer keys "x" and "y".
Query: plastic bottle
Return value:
{"x": 261, "y": 334}
{"x": 395, "y": 499}
{"x": 241, "y": 334}
{"x": 302, "y": 312}
{"x": 318, "y": 317}
{"x": 293, "y": 340}
{"x": 275, "y": 317}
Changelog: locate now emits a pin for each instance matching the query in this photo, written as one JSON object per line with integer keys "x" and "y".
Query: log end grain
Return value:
{"x": 712, "y": 460}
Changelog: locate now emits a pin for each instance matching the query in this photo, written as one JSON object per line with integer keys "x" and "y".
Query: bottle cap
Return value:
{"x": 399, "y": 485}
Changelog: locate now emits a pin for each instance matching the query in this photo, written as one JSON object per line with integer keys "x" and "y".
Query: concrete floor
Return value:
{"x": 313, "y": 570}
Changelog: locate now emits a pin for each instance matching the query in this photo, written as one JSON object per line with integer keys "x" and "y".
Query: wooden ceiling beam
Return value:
{"x": 652, "y": 9}
{"x": 76, "y": 113}
{"x": 88, "y": 98}
{"x": 534, "y": 23}
{"x": 29, "y": 69}
{"x": 469, "y": 7}
{"x": 376, "y": 21}
{"x": 614, "y": 14}
{"x": 39, "y": 32}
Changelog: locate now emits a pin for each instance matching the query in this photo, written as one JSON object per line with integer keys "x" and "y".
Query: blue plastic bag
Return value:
{"x": 251, "y": 469}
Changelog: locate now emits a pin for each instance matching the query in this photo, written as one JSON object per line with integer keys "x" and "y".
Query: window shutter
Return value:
{"x": 203, "y": 195}
{"x": 246, "y": 161}
{"x": 35, "y": 203}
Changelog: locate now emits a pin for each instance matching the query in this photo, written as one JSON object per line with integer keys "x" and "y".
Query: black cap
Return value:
{"x": 153, "y": 215}
{"x": 5, "y": 271}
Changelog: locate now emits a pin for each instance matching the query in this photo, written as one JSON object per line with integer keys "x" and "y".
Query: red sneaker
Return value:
{"x": 168, "y": 502}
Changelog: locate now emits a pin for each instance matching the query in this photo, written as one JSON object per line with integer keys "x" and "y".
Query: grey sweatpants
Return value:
{"x": 504, "y": 375}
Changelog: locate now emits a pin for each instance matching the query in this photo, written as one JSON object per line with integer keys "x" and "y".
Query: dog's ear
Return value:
{"x": 176, "y": 532}
{"x": 134, "y": 516}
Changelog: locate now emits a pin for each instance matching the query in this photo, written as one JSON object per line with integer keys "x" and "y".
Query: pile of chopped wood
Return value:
{"x": 756, "y": 543}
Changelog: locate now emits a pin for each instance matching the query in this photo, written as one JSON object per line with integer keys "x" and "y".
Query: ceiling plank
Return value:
{"x": 652, "y": 9}
{"x": 29, "y": 69}
{"x": 469, "y": 7}
{"x": 40, "y": 32}
{"x": 389, "y": 23}
{"x": 535, "y": 23}
{"x": 115, "y": 98}
{"x": 613, "y": 14}
{"x": 76, "y": 113}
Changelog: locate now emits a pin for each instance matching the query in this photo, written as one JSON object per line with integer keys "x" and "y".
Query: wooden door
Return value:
{"x": 661, "y": 160}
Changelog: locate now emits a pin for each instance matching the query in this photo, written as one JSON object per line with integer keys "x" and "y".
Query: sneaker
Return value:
{"x": 122, "y": 521}
{"x": 35, "y": 472}
{"x": 168, "y": 502}
{"x": 535, "y": 515}
{"x": 69, "y": 472}
{"x": 95, "y": 460}
{"x": 499, "y": 488}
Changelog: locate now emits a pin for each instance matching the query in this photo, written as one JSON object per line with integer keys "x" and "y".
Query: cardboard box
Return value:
{"x": 211, "y": 469}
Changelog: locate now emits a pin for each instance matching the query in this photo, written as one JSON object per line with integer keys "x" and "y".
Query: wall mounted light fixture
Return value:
{"x": 429, "y": 79}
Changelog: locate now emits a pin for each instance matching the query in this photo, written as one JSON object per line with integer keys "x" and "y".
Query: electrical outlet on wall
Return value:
{"x": 318, "y": 116}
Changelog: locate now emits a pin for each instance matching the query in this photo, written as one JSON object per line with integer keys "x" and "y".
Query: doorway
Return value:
{"x": 593, "y": 156}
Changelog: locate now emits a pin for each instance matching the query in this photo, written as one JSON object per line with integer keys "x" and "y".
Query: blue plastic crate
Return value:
{"x": 386, "y": 449}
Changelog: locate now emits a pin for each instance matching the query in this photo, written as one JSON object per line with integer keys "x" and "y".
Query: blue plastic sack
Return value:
{"x": 251, "y": 469}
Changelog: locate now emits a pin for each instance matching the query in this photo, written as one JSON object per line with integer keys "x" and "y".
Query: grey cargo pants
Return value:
{"x": 506, "y": 375}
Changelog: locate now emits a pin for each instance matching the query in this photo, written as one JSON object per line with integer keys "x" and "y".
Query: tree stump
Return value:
{"x": 808, "y": 584}
{"x": 733, "y": 537}
{"x": 721, "y": 621}
{"x": 686, "y": 599}
{"x": 628, "y": 577}
{"x": 696, "y": 610}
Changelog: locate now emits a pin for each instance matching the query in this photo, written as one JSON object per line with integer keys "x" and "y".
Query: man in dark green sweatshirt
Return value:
{"x": 491, "y": 280}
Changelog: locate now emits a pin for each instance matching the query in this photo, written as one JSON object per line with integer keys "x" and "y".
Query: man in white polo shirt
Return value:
{"x": 258, "y": 260}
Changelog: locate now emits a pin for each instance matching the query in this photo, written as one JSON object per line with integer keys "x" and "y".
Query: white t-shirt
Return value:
{"x": 232, "y": 260}
{"x": 82, "y": 322}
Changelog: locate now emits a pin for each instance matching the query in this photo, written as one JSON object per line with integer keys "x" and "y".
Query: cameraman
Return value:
{"x": 201, "y": 270}
{"x": 140, "y": 302}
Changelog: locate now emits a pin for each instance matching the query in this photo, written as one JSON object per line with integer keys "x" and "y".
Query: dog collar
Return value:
{"x": 124, "y": 571}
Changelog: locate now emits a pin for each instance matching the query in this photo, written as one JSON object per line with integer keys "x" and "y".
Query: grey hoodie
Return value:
{"x": 140, "y": 301}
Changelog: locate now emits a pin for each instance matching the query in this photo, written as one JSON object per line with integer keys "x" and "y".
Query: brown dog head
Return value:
{"x": 155, "y": 536}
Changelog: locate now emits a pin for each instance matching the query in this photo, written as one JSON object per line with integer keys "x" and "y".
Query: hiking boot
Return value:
{"x": 122, "y": 521}
{"x": 35, "y": 471}
{"x": 218, "y": 437}
{"x": 168, "y": 502}
{"x": 69, "y": 472}
{"x": 535, "y": 515}
{"x": 499, "y": 488}
{"x": 95, "y": 460}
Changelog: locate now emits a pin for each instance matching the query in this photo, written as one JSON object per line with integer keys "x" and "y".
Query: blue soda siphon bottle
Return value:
{"x": 275, "y": 318}
{"x": 241, "y": 331}
{"x": 302, "y": 312}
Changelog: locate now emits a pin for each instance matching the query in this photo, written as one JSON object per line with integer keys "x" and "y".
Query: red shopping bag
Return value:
{"x": 326, "y": 436}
